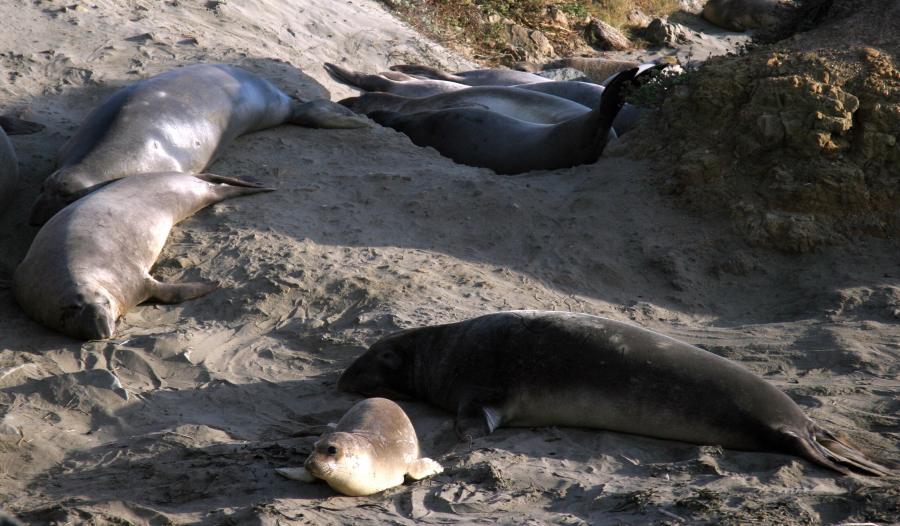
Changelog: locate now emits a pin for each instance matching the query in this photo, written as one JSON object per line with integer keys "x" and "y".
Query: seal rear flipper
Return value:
{"x": 832, "y": 451}
{"x": 178, "y": 292}
{"x": 422, "y": 468}
{"x": 296, "y": 474}
{"x": 231, "y": 187}
{"x": 323, "y": 113}
{"x": 357, "y": 80}
{"x": 14, "y": 126}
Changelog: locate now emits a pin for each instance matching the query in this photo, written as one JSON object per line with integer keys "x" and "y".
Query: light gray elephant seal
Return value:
{"x": 404, "y": 88}
{"x": 478, "y": 137}
{"x": 90, "y": 263}
{"x": 538, "y": 368}
{"x": 9, "y": 164}
{"x": 475, "y": 77}
{"x": 597, "y": 69}
{"x": 372, "y": 448}
{"x": 178, "y": 121}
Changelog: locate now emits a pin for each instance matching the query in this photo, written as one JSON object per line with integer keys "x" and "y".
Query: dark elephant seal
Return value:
{"x": 404, "y": 88}
{"x": 741, "y": 15}
{"x": 9, "y": 164}
{"x": 90, "y": 263}
{"x": 478, "y": 137}
{"x": 178, "y": 121}
{"x": 538, "y": 368}
{"x": 372, "y": 448}
{"x": 529, "y": 106}
{"x": 476, "y": 77}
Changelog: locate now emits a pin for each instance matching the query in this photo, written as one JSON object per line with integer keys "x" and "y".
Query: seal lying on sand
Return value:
{"x": 478, "y": 137}
{"x": 597, "y": 69}
{"x": 90, "y": 263}
{"x": 536, "y": 368}
{"x": 476, "y": 77}
{"x": 178, "y": 121}
{"x": 404, "y": 88}
{"x": 529, "y": 106}
{"x": 372, "y": 448}
{"x": 9, "y": 164}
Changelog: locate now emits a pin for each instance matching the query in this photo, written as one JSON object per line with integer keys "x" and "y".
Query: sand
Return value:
{"x": 182, "y": 418}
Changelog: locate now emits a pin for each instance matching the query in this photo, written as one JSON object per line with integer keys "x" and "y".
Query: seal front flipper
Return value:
{"x": 422, "y": 468}
{"x": 14, "y": 126}
{"x": 296, "y": 474}
{"x": 323, "y": 113}
{"x": 476, "y": 419}
{"x": 178, "y": 292}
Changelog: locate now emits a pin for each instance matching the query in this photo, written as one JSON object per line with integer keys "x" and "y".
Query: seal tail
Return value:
{"x": 231, "y": 187}
{"x": 425, "y": 71}
{"x": 835, "y": 452}
{"x": 356, "y": 79}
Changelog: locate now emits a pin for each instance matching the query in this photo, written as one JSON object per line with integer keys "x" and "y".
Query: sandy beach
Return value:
{"x": 183, "y": 417}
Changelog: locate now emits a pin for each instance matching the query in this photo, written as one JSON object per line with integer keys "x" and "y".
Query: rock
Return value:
{"x": 691, "y": 6}
{"x": 637, "y": 18}
{"x": 557, "y": 17}
{"x": 663, "y": 33}
{"x": 528, "y": 44}
{"x": 599, "y": 34}
{"x": 741, "y": 15}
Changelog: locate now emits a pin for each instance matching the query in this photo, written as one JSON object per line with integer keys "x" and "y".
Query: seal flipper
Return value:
{"x": 476, "y": 418}
{"x": 834, "y": 452}
{"x": 296, "y": 474}
{"x": 358, "y": 80}
{"x": 422, "y": 468}
{"x": 14, "y": 126}
{"x": 425, "y": 71}
{"x": 321, "y": 113}
{"x": 178, "y": 292}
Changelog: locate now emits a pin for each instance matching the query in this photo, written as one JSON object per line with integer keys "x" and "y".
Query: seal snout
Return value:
{"x": 92, "y": 321}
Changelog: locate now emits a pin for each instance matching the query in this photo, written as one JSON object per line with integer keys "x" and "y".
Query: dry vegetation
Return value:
{"x": 476, "y": 27}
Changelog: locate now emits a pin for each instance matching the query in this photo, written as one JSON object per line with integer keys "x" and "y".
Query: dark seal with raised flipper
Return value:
{"x": 90, "y": 264}
{"x": 540, "y": 368}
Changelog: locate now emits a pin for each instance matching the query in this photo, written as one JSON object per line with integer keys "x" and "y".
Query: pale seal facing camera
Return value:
{"x": 372, "y": 448}
{"x": 537, "y": 368}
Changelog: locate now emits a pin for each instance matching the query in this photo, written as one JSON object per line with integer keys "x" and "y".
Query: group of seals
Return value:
{"x": 372, "y": 448}
{"x": 179, "y": 121}
{"x": 506, "y": 120}
{"x": 89, "y": 264}
{"x": 539, "y": 368}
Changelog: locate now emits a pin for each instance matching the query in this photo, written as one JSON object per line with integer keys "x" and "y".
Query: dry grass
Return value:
{"x": 475, "y": 28}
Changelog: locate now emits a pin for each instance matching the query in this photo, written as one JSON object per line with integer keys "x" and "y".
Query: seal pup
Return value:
{"x": 529, "y": 106}
{"x": 540, "y": 368}
{"x": 404, "y": 88}
{"x": 372, "y": 448}
{"x": 478, "y": 137}
{"x": 9, "y": 163}
{"x": 178, "y": 121}
{"x": 475, "y": 77}
{"x": 90, "y": 264}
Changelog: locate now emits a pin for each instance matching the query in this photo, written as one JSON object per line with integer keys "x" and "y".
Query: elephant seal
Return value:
{"x": 741, "y": 15}
{"x": 404, "y": 88}
{"x": 478, "y": 137}
{"x": 90, "y": 263}
{"x": 372, "y": 448}
{"x": 178, "y": 121}
{"x": 529, "y": 106}
{"x": 597, "y": 69}
{"x": 476, "y": 77}
{"x": 9, "y": 164}
{"x": 539, "y": 368}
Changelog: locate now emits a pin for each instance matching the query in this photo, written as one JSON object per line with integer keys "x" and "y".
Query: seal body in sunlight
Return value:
{"x": 540, "y": 368}
{"x": 178, "y": 121}
{"x": 9, "y": 163}
{"x": 372, "y": 448}
{"x": 598, "y": 69}
{"x": 90, "y": 263}
{"x": 479, "y": 137}
{"x": 391, "y": 82}
{"x": 475, "y": 77}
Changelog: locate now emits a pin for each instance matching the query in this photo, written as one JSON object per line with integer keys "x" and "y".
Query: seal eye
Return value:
{"x": 332, "y": 450}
